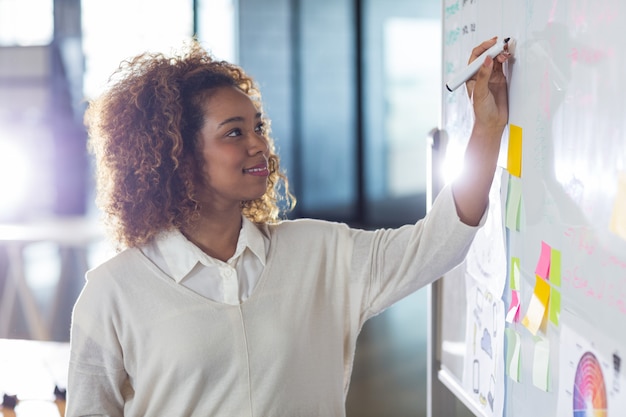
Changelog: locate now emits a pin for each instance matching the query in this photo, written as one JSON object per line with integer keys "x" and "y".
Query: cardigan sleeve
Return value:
{"x": 398, "y": 262}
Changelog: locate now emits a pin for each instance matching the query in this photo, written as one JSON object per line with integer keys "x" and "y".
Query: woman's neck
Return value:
{"x": 216, "y": 235}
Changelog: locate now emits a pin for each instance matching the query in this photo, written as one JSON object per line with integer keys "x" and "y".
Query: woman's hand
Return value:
{"x": 488, "y": 90}
{"x": 488, "y": 93}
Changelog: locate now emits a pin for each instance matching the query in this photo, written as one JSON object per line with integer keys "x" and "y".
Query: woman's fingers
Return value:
{"x": 480, "y": 49}
{"x": 496, "y": 75}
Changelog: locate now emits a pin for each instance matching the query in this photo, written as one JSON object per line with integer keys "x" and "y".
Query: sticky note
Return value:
{"x": 514, "y": 277}
{"x": 513, "y": 349}
{"x": 555, "y": 306}
{"x": 514, "y": 159}
{"x": 513, "y": 314}
{"x": 513, "y": 204}
{"x": 541, "y": 364}
{"x": 543, "y": 265}
{"x": 537, "y": 306}
{"x": 555, "y": 267}
{"x": 618, "y": 217}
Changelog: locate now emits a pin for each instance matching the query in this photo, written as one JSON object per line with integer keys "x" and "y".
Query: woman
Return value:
{"x": 214, "y": 306}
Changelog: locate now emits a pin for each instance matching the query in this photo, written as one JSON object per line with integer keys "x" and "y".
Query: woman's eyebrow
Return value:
{"x": 238, "y": 119}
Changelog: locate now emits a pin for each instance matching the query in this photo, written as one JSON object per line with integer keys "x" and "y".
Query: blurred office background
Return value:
{"x": 352, "y": 88}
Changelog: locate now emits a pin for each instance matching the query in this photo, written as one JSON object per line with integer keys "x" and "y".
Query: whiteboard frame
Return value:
{"x": 444, "y": 390}
{"x": 451, "y": 382}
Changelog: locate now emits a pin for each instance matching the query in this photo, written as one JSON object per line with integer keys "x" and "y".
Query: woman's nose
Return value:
{"x": 257, "y": 144}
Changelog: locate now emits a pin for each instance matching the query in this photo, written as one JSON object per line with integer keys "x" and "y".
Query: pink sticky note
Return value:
{"x": 543, "y": 266}
{"x": 513, "y": 314}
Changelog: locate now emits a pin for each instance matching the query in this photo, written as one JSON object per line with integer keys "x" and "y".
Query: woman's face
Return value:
{"x": 234, "y": 149}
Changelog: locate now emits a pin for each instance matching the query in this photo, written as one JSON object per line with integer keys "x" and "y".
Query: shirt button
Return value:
{"x": 228, "y": 272}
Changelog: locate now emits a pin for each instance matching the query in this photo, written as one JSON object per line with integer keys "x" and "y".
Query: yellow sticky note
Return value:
{"x": 514, "y": 160}
{"x": 618, "y": 217}
{"x": 537, "y": 306}
{"x": 541, "y": 364}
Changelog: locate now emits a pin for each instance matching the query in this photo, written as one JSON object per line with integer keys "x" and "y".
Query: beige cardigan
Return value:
{"x": 143, "y": 345}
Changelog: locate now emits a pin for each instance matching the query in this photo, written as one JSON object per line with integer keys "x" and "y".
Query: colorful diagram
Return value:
{"x": 590, "y": 365}
{"x": 590, "y": 398}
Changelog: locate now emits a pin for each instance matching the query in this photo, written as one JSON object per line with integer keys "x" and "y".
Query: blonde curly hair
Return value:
{"x": 143, "y": 133}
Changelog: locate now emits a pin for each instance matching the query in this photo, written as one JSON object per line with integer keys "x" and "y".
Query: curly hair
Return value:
{"x": 143, "y": 132}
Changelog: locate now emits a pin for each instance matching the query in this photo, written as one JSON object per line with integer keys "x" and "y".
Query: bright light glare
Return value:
{"x": 453, "y": 164}
{"x": 15, "y": 177}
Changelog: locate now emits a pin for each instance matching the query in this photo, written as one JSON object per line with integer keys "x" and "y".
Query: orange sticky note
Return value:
{"x": 514, "y": 160}
{"x": 537, "y": 306}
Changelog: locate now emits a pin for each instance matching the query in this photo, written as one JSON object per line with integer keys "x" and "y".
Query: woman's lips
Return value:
{"x": 259, "y": 170}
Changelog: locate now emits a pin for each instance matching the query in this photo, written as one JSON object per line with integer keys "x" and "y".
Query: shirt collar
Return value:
{"x": 256, "y": 241}
{"x": 181, "y": 255}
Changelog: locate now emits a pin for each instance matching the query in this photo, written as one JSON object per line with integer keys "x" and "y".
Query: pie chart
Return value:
{"x": 589, "y": 390}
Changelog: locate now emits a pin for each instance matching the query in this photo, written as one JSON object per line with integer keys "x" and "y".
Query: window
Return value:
{"x": 26, "y": 22}
{"x": 401, "y": 90}
{"x": 217, "y": 27}
{"x": 115, "y": 30}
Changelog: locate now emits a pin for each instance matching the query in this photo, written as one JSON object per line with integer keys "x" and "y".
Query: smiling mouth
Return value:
{"x": 259, "y": 170}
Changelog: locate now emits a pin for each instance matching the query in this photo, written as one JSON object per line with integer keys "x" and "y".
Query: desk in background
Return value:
{"x": 31, "y": 370}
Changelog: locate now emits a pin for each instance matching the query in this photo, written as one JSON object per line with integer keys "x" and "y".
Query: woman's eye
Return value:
{"x": 260, "y": 128}
{"x": 234, "y": 132}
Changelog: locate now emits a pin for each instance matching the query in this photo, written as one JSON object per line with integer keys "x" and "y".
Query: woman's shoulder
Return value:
{"x": 306, "y": 232}
{"x": 120, "y": 262}
{"x": 306, "y": 225}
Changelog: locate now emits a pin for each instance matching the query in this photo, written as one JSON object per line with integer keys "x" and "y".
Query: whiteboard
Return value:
{"x": 563, "y": 213}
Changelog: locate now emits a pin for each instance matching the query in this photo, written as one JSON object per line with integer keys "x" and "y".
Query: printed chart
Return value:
{"x": 591, "y": 381}
{"x": 589, "y": 389}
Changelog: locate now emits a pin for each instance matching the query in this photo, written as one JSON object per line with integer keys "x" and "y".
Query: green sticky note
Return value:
{"x": 514, "y": 347}
{"x": 513, "y": 204}
{"x": 515, "y": 274}
{"x": 541, "y": 364}
{"x": 555, "y": 267}
{"x": 555, "y": 306}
